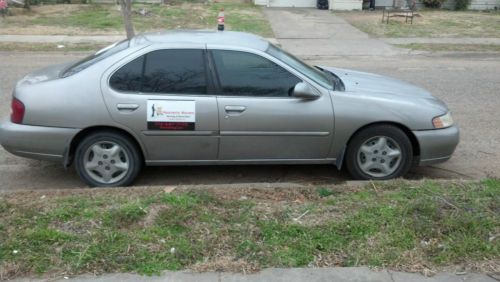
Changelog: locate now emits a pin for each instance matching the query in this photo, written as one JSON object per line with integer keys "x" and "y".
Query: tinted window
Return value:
{"x": 129, "y": 77}
{"x": 175, "y": 71}
{"x": 98, "y": 56}
{"x": 246, "y": 74}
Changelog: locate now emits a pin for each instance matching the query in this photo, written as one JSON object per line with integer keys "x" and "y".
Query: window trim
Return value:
{"x": 127, "y": 60}
{"x": 264, "y": 56}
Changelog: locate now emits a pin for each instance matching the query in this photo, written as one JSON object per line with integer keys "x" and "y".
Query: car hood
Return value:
{"x": 371, "y": 84}
{"x": 44, "y": 74}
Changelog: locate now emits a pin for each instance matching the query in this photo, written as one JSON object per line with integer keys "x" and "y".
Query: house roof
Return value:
{"x": 227, "y": 38}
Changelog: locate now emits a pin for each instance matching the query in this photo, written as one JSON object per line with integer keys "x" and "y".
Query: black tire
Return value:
{"x": 394, "y": 133}
{"x": 134, "y": 157}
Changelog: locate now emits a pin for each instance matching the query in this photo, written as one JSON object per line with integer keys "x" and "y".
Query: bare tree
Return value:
{"x": 126, "y": 7}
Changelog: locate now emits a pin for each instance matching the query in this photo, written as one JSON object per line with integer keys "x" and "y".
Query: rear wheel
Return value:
{"x": 379, "y": 152}
{"x": 107, "y": 159}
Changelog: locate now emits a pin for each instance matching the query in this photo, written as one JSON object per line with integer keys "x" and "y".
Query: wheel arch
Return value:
{"x": 413, "y": 139}
{"x": 71, "y": 147}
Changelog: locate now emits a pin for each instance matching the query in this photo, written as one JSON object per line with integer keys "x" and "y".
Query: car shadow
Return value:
{"x": 38, "y": 175}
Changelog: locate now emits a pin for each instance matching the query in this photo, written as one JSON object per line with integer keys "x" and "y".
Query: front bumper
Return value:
{"x": 36, "y": 142}
{"x": 437, "y": 145}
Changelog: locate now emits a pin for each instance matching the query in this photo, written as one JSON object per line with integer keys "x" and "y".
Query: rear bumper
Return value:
{"x": 437, "y": 145}
{"x": 36, "y": 142}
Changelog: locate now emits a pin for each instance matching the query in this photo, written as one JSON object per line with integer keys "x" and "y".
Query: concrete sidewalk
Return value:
{"x": 316, "y": 34}
{"x": 340, "y": 274}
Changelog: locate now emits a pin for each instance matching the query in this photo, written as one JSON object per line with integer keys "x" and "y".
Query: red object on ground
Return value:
{"x": 220, "y": 19}
{"x": 3, "y": 4}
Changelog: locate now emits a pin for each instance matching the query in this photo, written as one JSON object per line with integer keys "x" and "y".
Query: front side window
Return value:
{"x": 247, "y": 74}
{"x": 311, "y": 72}
{"x": 171, "y": 71}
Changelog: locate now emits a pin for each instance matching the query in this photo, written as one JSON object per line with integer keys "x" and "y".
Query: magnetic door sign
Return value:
{"x": 171, "y": 115}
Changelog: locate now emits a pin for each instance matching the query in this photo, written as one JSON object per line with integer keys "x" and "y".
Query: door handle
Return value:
{"x": 127, "y": 107}
{"x": 235, "y": 109}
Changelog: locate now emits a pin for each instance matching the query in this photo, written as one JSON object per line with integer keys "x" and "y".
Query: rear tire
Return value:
{"x": 379, "y": 152}
{"x": 107, "y": 159}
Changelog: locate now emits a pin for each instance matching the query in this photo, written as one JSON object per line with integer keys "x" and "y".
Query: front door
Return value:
{"x": 259, "y": 119}
{"x": 162, "y": 96}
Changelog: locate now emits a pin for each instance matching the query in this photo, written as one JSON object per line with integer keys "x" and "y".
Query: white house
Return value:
{"x": 333, "y": 4}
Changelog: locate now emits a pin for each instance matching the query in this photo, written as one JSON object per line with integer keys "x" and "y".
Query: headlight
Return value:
{"x": 443, "y": 121}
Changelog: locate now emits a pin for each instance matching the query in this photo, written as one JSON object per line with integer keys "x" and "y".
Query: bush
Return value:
{"x": 461, "y": 4}
{"x": 433, "y": 3}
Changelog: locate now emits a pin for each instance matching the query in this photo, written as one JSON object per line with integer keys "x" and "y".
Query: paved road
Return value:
{"x": 469, "y": 86}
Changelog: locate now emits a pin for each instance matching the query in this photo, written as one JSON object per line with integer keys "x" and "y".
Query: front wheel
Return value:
{"x": 107, "y": 159}
{"x": 379, "y": 152}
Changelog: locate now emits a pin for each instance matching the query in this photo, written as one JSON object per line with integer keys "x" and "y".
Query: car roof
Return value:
{"x": 209, "y": 37}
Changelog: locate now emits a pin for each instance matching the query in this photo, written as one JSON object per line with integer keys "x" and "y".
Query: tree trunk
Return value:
{"x": 126, "y": 7}
{"x": 27, "y": 5}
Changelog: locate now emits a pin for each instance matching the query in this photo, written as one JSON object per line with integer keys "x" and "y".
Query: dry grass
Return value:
{"x": 428, "y": 23}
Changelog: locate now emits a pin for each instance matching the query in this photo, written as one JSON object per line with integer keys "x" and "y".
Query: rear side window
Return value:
{"x": 172, "y": 71}
{"x": 246, "y": 74}
{"x": 129, "y": 77}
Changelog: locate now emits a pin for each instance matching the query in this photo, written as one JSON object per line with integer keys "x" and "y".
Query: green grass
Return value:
{"x": 428, "y": 23}
{"x": 107, "y": 19}
{"x": 451, "y": 47}
{"x": 397, "y": 224}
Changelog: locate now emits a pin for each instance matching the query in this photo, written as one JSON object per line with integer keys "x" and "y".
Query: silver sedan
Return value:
{"x": 213, "y": 98}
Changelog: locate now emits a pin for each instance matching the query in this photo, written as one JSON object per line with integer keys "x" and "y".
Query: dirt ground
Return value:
{"x": 469, "y": 85}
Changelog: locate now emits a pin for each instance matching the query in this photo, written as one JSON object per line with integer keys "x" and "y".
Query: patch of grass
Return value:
{"x": 127, "y": 214}
{"x": 428, "y": 23}
{"x": 325, "y": 192}
{"x": 403, "y": 225}
{"x": 106, "y": 19}
{"x": 434, "y": 47}
{"x": 90, "y": 17}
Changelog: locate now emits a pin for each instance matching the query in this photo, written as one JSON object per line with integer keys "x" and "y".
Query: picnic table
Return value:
{"x": 390, "y": 12}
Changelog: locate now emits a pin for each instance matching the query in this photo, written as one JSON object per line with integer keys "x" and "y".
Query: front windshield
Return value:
{"x": 94, "y": 58}
{"x": 313, "y": 73}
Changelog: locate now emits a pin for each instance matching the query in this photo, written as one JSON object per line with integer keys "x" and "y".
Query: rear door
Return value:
{"x": 163, "y": 96}
{"x": 259, "y": 119}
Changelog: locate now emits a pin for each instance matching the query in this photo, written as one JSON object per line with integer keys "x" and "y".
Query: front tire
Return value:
{"x": 379, "y": 152}
{"x": 107, "y": 159}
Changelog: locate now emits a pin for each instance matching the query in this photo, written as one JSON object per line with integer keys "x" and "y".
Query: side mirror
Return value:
{"x": 304, "y": 91}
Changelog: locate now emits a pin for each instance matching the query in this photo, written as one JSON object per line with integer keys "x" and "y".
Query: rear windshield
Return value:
{"x": 94, "y": 58}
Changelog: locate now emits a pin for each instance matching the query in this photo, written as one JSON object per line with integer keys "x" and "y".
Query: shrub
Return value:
{"x": 433, "y": 3}
{"x": 461, "y": 4}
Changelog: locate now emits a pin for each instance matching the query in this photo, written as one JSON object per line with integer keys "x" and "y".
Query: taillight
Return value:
{"x": 17, "y": 113}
